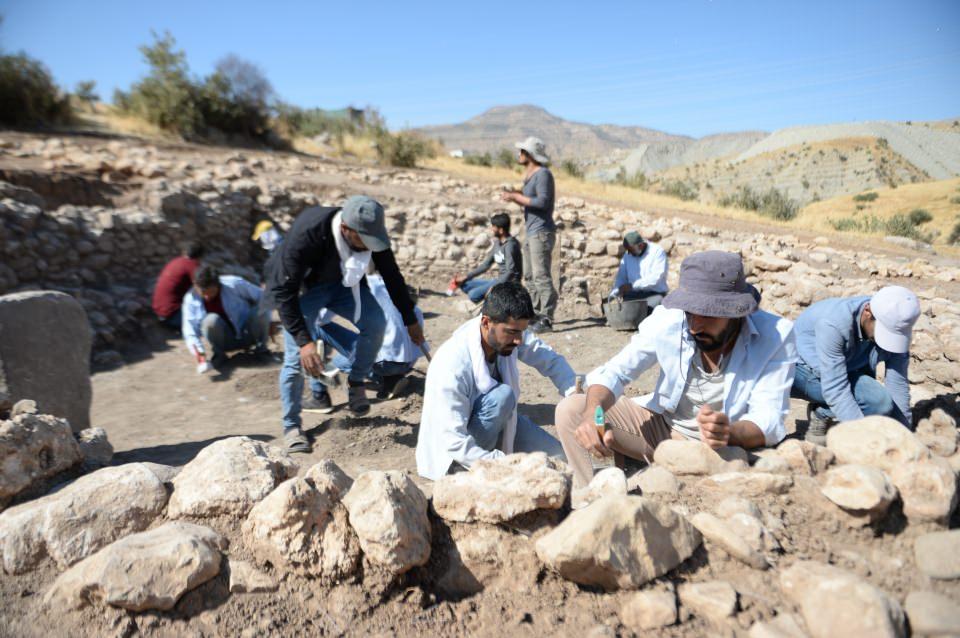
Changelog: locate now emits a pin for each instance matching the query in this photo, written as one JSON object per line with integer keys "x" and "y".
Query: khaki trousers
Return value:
{"x": 636, "y": 433}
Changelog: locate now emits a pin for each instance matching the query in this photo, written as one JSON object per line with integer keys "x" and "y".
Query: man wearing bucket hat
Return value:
{"x": 537, "y": 197}
{"x": 841, "y": 341}
{"x": 327, "y": 254}
{"x": 643, "y": 271}
{"x": 726, "y": 369}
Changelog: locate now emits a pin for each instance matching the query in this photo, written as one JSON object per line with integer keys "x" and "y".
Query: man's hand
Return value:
{"x": 459, "y": 279}
{"x": 508, "y": 196}
{"x": 415, "y": 330}
{"x": 588, "y": 438}
{"x": 624, "y": 289}
{"x": 310, "y": 360}
{"x": 714, "y": 427}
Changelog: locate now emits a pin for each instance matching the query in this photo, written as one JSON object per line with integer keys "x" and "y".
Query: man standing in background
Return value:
{"x": 537, "y": 199}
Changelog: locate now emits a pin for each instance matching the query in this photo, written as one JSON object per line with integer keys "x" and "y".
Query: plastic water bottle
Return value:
{"x": 599, "y": 420}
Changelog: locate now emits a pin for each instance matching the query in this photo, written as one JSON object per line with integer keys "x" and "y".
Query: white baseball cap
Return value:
{"x": 896, "y": 309}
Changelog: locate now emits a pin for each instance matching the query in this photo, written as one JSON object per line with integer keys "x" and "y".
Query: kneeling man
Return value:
{"x": 726, "y": 369}
{"x": 473, "y": 388}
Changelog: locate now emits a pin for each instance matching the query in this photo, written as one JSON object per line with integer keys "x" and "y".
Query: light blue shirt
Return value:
{"x": 756, "y": 380}
{"x": 239, "y": 298}
{"x": 831, "y": 343}
{"x": 648, "y": 272}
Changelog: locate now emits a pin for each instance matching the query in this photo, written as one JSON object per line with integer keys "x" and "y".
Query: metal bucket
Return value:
{"x": 625, "y": 314}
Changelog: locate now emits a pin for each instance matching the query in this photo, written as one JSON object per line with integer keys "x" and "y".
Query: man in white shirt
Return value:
{"x": 642, "y": 273}
{"x": 726, "y": 369}
{"x": 473, "y": 388}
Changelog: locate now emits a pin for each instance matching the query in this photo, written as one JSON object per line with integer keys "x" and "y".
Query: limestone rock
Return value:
{"x": 149, "y": 570}
{"x": 835, "y": 602}
{"x": 769, "y": 263}
{"x": 655, "y": 480}
{"x": 749, "y": 483}
{"x": 932, "y": 614}
{"x": 95, "y": 448}
{"x": 714, "y": 600}
{"x": 649, "y": 610}
{"x": 805, "y": 457}
{"x": 389, "y": 513}
{"x": 619, "y": 542}
{"x": 303, "y": 530}
{"x": 483, "y": 555}
{"x": 607, "y": 482}
{"x": 245, "y": 578}
{"x": 34, "y": 447}
{"x": 781, "y": 626}
{"x": 862, "y": 491}
{"x": 938, "y": 554}
{"x": 329, "y": 479}
{"x": 79, "y": 519}
{"x": 773, "y": 464}
{"x": 939, "y": 433}
{"x": 718, "y": 531}
{"x": 228, "y": 477}
{"x": 738, "y": 505}
{"x": 498, "y": 490}
{"x": 687, "y": 457}
{"x": 928, "y": 489}
{"x": 33, "y": 325}
{"x": 877, "y": 441}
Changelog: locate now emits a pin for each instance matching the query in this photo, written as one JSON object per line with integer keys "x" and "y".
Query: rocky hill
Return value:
{"x": 501, "y": 126}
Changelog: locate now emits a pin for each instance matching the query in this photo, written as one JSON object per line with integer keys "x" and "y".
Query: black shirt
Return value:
{"x": 308, "y": 256}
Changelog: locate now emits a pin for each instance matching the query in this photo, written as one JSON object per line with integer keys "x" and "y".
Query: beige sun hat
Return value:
{"x": 535, "y": 147}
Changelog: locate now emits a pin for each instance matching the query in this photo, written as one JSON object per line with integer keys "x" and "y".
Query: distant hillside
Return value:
{"x": 501, "y": 126}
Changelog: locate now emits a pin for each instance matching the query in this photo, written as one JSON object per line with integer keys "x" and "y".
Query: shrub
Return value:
{"x": 478, "y": 160}
{"x": 866, "y": 197}
{"x": 86, "y": 92}
{"x": 919, "y": 216}
{"x": 403, "y": 149}
{"x": 637, "y": 180}
{"x": 28, "y": 95}
{"x": 506, "y": 158}
{"x": 680, "y": 189}
{"x": 235, "y": 98}
{"x": 772, "y": 203}
{"x": 955, "y": 200}
{"x": 954, "y": 237}
{"x": 571, "y": 168}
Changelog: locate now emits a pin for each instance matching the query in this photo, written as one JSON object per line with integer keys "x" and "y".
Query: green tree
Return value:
{"x": 86, "y": 92}
{"x": 166, "y": 97}
{"x": 28, "y": 94}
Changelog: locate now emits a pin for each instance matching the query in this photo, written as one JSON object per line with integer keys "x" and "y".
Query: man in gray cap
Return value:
{"x": 643, "y": 271}
{"x": 537, "y": 197}
{"x": 322, "y": 263}
{"x": 726, "y": 369}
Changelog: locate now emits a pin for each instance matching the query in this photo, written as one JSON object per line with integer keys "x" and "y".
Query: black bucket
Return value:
{"x": 625, "y": 314}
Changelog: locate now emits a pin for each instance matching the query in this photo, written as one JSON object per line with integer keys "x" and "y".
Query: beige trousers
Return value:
{"x": 636, "y": 433}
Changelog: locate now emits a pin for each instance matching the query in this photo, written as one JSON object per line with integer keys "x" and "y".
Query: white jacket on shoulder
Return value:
{"x": 457, "y": 377}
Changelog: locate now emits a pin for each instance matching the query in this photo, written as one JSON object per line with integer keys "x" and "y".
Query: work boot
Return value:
{"x": 817, "y": 426}
{"x": 296, "y": 441}
{"x": 357, "y": 400}
{"x": 318, "y": 403}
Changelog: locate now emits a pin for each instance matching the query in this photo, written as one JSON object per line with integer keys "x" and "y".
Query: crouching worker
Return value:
{"x": 225, "y": 310}
{"x": 726, "y": 369}
{"x": 473, "y": 388}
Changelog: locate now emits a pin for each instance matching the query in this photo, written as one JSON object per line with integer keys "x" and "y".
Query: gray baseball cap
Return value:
{"x": 365, "y": 215}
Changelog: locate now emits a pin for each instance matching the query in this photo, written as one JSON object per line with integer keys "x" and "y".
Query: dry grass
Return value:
{"x": 105, "y": 118}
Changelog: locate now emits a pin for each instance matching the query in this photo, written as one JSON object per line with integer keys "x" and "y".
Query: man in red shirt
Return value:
{"x": 174, "y": 281}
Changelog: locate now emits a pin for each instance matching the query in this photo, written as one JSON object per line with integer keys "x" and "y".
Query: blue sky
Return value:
{"x": 693, "y": 67}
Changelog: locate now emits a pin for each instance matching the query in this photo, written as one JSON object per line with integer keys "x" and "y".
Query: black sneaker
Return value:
{"x": 817, "y": 427}
{"x": 318, "y": 403}
{"x": 541, "y": 325}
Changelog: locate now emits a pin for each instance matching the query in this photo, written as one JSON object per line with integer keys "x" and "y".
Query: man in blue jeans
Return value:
{"x": 473, "y": 388}
{"x": 505, "y": 252}
{"x": 840, "y": 343}
{"x": 323, "y": 263}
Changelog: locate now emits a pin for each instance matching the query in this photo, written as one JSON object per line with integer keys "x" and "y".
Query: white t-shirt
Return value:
{"x": 702, "y": 388}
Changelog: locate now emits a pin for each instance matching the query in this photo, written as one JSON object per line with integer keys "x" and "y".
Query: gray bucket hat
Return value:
{"x": 712, "y": 284}
{"x": 535, "y": 147}
{"x": 365, "y": 215}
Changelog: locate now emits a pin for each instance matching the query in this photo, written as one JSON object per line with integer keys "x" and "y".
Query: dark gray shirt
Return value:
{"x": 508, "y": 256}
{"x": 538, "y": 216}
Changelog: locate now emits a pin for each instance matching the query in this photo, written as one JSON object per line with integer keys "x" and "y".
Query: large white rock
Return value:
{"x": 610, "y": 481}
{"x": 877, "y": 441}
{"x": 498, "y": 490}
{"x": 245, "y": 578}
{"x": 229, "y": 477}
{"x": 149, "y": 570}
{"x": 835, "y": 602}
{"x": 749, "y": 483}
{"x": 619, "y": 542}
{"x": 649, "y": 610}
{"x": 863, "y": 492}
{"x": 939, "y": 432}
{"x": 76, "y": 521}
{"x": 301, "y": 529}
{"x": 805, "y": 457}
{"x": 780, "y": 626}
{"x": 389, "y": 514}
{"x": 721, "y": 533}
{"x": 329, "y": 479}
{"x": 655, "y": 480}
{"x": 34, "y": 447}
{"x": 928, "y": 489}
{"x": 694, "y": 458}
{"x": 714, "y": 600}
{"x": 938, "y": 554}
{"x": 932, "y": 614}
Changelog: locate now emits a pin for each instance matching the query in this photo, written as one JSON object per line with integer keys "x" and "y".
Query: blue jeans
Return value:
{"x": 870, "y": 395}
{"x": 222, "y": 338}
{"x": 489, "y": 418}
{"x": 477, "y": 289}
{"x": 338, "y": 299}
{"x": 343, "y": 340}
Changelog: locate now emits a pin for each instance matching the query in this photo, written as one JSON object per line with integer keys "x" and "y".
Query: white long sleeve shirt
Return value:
{"x": 648, "y": 272}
